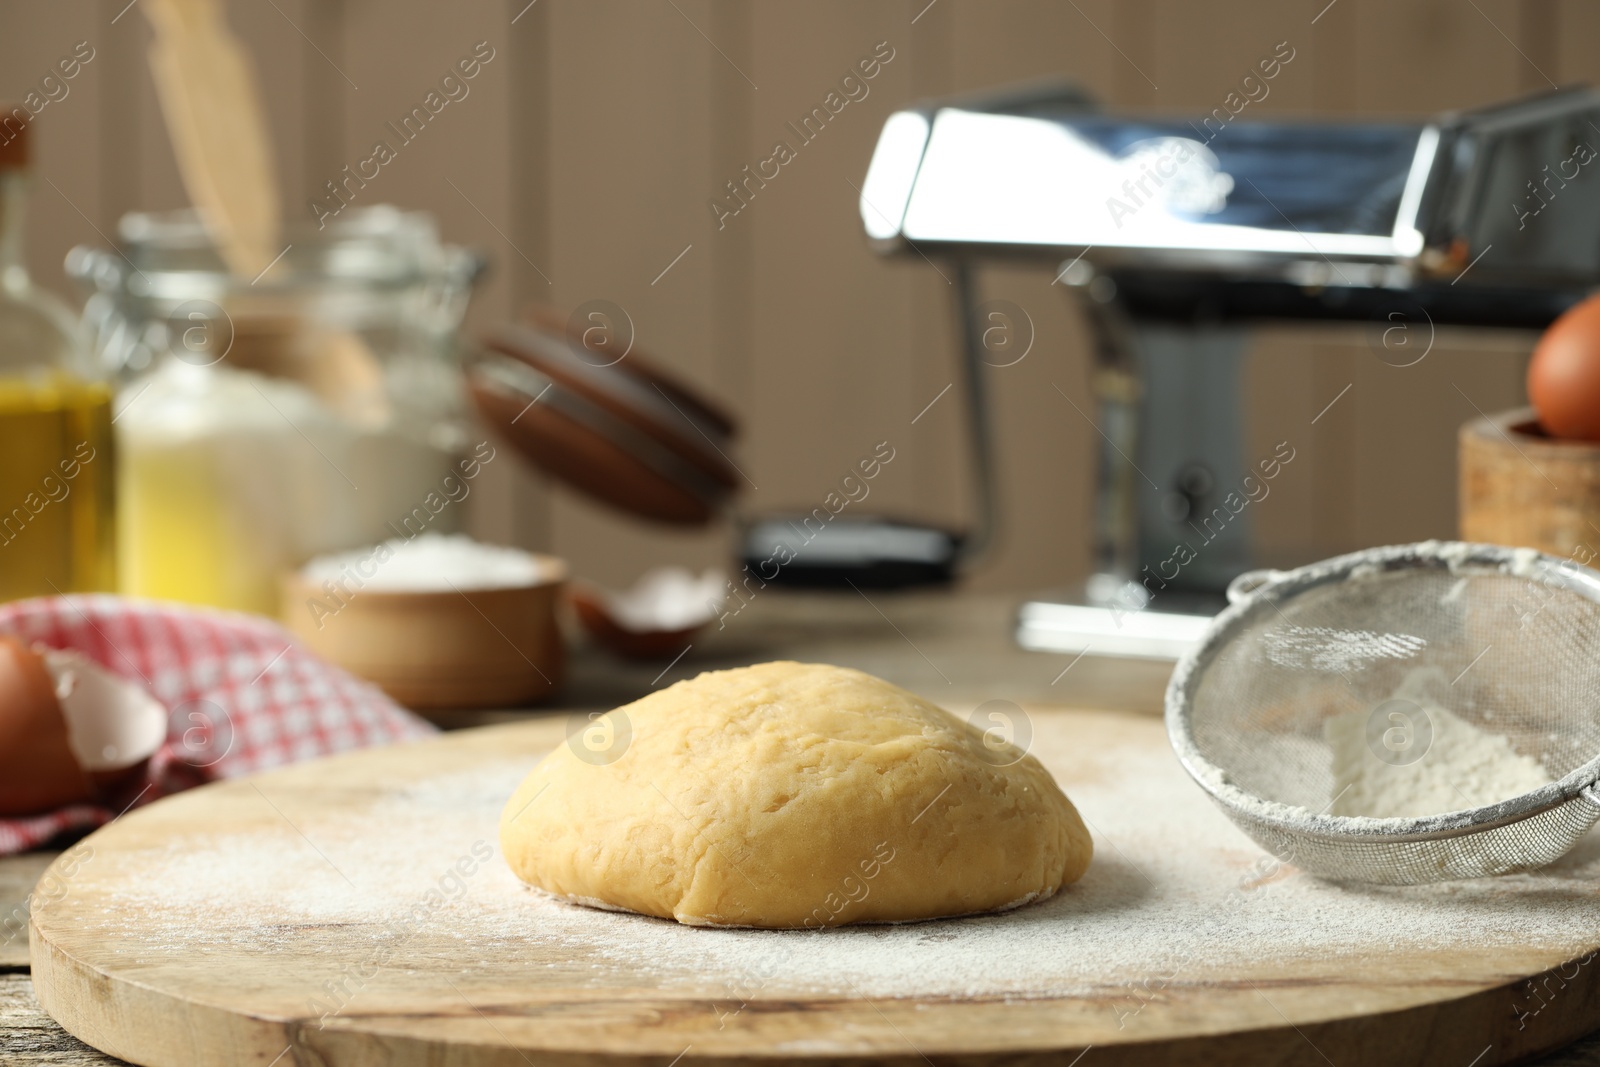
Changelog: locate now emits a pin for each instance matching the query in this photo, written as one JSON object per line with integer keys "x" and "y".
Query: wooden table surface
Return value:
{"x": 953, "y": 649}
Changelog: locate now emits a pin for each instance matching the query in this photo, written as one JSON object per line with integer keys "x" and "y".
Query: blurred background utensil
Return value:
{"x": 613, "y": 426}
{"x": 1176, "y": 238}
{"x": 212, "y": 105}
{"x": 656, "y": 618}
{"x": 604, "y": 419}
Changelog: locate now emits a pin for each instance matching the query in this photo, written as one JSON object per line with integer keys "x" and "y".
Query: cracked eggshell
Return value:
{"x": 112, "y": 724}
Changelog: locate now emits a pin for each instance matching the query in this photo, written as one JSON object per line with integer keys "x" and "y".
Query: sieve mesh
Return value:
{"x": 1508, "y": 640}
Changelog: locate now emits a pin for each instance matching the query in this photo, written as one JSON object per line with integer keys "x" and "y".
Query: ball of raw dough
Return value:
{"x": 791, "y": 795}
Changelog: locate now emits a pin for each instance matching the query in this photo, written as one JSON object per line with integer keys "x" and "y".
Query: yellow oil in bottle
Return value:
{"x": 56, "y": 486}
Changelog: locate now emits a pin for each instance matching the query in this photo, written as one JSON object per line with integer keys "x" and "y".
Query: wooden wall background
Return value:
{"x": 589, "y": 147}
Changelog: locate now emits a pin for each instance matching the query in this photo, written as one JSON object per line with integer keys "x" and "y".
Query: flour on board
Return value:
{"x": 1175, "y": 890}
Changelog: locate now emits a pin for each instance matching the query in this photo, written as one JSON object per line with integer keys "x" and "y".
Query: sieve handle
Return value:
{"x": 1251, "y": 581}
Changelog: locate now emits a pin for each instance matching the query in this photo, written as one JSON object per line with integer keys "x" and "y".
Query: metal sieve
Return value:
{"x": 1506, "y": 639}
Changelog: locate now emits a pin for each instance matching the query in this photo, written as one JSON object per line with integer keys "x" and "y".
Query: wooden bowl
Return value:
{"x": 477, "y": 648}
{"x": 1523, "y": 488}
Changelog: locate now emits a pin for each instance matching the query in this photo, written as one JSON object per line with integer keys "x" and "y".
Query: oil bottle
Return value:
{"x": 56, "y": 470}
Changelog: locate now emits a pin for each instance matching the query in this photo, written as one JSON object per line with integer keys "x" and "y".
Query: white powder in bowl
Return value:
{"x": 669, "y": 598}
{"x": 432, "y": 563}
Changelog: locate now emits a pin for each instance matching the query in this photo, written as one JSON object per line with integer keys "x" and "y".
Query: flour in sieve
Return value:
{"x": 1426, "y": 761}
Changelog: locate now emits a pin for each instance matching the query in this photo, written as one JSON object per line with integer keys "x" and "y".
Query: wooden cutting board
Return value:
{"x": 355, "y": 911}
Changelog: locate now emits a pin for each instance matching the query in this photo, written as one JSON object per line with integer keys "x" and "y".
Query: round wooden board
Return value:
{"x": 355, "y": 911}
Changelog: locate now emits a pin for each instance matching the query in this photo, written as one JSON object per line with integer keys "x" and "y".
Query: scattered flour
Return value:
{"x": 1437, "y": 761}
{"x": 1524, "y": 562}
{"x": 1175, "y": 889}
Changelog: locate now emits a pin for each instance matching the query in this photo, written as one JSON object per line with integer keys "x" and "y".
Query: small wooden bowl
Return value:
{"x": 592, "y": 615}
{"x": 1523, "y": 488}
{"x": 477, "y": 648}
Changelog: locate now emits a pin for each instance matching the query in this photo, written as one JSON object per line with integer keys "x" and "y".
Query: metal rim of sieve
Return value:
{"x": 1258, "y": 592}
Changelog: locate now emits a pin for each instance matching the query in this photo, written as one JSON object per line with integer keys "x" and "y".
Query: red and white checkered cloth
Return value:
{"x": 240, "y": 694}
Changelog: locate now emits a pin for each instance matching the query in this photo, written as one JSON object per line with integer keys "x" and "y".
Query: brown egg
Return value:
{"x": 1564, "y": 376}
{"x": 38, "y": 771}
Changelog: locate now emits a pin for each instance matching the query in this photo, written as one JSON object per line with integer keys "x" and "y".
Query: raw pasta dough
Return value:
{"x": 791, "y": 795}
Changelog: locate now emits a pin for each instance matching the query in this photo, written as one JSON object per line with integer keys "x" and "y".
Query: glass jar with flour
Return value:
{"x": 262, "y": 422}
